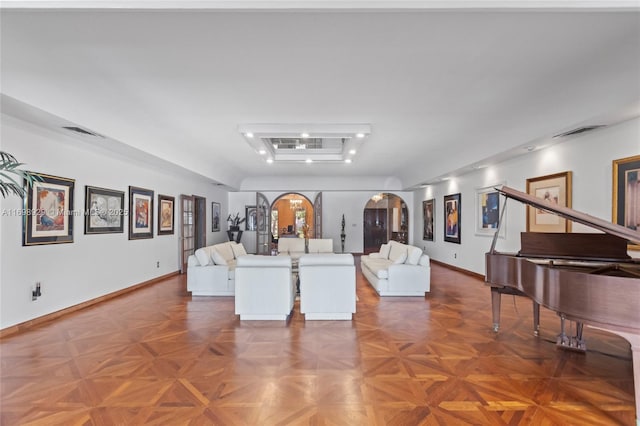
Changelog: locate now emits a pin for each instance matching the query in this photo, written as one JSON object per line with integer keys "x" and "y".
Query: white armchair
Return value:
{"x": 264, "y": 287}
{"x": 327, "y": 286}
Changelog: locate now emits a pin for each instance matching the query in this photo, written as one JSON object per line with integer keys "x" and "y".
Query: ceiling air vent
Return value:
{"x": 82, "y": 131}
{"x": 579, "y": 130}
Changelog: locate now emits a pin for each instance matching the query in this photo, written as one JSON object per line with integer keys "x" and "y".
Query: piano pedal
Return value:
{"x": 571, "y": 343}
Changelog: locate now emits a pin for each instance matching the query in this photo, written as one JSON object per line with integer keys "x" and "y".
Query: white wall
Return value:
{"x": 589, "y": 157}
{"x": 334, "y": 205}
{"x": 93, "y": 265}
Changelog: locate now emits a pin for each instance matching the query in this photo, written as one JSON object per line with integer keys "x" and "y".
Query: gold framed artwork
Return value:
{"x": 555, "y": 189}
{"x": 626, "y": 194}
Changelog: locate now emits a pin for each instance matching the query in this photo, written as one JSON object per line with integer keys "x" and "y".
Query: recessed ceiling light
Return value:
{"x": 348, "y": 161}
{"x": 352, "y": 151}
{"x": 360, "y": 135}
{"x": 304, "y": 135}
{"x": 269, "y": 160}
{"x": 308, "y": 160}
{"x": 262, "y": 152}
{"x": 530, "y": 148}
{"x": 249, "y": 135}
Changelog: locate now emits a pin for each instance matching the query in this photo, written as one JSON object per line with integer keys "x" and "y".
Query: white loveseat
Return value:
{"x": 211, "y": 269}
{"x": 327, "y": 286}
{"x": 294, "y": 247}
{"x": 264, "y": 287}
{"x": 397, "y": 270}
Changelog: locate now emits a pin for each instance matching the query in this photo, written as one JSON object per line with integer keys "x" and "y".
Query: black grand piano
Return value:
{"x": 588, "y": 278}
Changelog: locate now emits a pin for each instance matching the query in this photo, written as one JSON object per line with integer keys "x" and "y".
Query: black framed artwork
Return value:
{"x": 166, "y": 214}
{"x": 428, "y": 207}
{"x": 104, "y": 211}
{"x": 140, "y": 213}
{"x": 215, "y": 217}
{"x": 49, "y": 211}
{"x": 452, "y": 218}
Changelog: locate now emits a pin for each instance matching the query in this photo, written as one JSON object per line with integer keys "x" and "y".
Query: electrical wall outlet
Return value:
{"x": 157, "y": 264}
{"x": 36, "y": 291}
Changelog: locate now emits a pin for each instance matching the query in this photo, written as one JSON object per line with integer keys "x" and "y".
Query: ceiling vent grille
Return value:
{"x": 82, "y": 131}
{"x": 579, "y": 130}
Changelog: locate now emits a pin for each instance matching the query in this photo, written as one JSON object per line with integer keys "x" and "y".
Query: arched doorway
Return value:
{"x": 289, "y": 214}
{"x": 386, "y": 218}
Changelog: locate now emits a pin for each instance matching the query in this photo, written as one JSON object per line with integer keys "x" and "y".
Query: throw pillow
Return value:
{"x": 238, "y": 250}
{"x": 413, "y": 256}
{"x": 400, "y": 259}
{"x": 218, "y": 259}
{"x": 384, "y": 251}
{"x": 203, "y": 257}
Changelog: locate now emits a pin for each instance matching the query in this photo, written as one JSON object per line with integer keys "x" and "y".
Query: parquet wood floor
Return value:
{"x": 158, "y": 356}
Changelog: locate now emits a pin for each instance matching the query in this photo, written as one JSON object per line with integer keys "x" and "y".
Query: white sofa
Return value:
{"x": 327, "y": 286}
{"x": 211, "y": 269}
{"x": 397, "y": 270}
{"x": 294, "y": 247}
{"x": 264, "y": 287}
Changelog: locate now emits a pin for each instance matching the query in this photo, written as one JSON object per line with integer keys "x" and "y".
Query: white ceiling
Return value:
{"x": 443, "y": 89}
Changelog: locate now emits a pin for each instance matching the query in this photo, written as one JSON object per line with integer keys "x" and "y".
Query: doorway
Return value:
{"x": 385, "y": 218}
{"x": 193, "y": 233}
{"x": 291, "y": 214}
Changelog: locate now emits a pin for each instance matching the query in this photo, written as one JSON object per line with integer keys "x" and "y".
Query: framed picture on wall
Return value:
{"x": 626, "y": 194}
{"x": 166, "y": 214}
{"x": 140, "y": 213}
{"x": 215, "y": 217}
{"x": 554, "y": 189}
{"x": 427, "y": 217}
{"x": 49, "y": 204}
{"x": 452, "y": 218}
{"x": 251, "y": 223}
{"x": 488, "y": 205}
{"x": 104, "y": 211}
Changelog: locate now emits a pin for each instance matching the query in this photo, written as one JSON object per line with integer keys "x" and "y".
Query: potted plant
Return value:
{"x": 11, "y": 176}
{"x": 234, "y": 222}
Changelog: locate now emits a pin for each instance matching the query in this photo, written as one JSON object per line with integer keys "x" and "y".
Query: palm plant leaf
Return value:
{"x": 11, "y": 175}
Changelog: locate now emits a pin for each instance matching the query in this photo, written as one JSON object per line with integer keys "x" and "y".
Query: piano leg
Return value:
{"x": 495, "y": 307}
{"x": 536, "y": 319}
{"x": 496, "y": 293}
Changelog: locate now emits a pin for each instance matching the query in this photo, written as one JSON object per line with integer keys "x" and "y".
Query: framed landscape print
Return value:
{"x": 104, "y": 211}
{"x": 140, "y": 213}
{"x": 452, "y": 219}
{"x": 427, "y": 216}
{"x": 215, "y": 217}
{"x": 488, "y": 207}
{"x": 48, "y": 217}
{"x": 166, "y": 214}
{"x": 251, "y": 218}
{"x": 554, "y": 189}
{"x": 626, "y": 194}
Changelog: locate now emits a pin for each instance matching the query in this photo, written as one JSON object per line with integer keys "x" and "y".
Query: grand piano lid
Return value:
{"x": 576, "y": 216}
